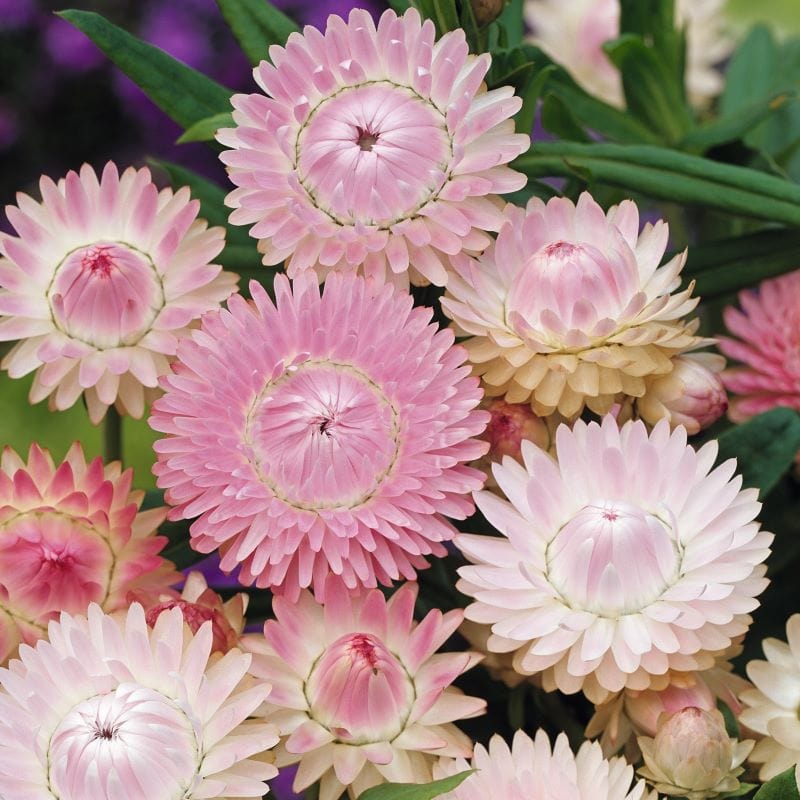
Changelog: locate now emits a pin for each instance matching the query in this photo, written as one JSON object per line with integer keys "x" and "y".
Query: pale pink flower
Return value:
{"x": 360, "y": 695}
{"x": 320, "y": 433}
{"x": 374, "y": 149}
{"x": 199, "y": 604}
{"x": 71, "y": 535}
{"x": 773, "y": 707}
{"x": 691, "y": 394}
{"x": 531, "y": 770}
{"x": 573, "y": 34}
{"x": 692, "y": 755}
{"x": 768, "y": 347}
{"x": 110, "y": 709}
{"x": 101, "y": 281}
{"x": 569, "y": 306}
{"x": 559, "y": 586}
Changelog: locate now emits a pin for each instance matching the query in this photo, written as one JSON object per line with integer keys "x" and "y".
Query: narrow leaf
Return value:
{"x": 256, "y": 24}
{"x": 781, "y": 787}
{"x": 206, "y": 129}
{"x": 765, "y": 447}
{"x": 415, "y": 791}
{"x": 186, "y": 95}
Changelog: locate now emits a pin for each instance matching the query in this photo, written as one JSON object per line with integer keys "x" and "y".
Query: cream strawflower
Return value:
{"x": 374, "y": 149}
{"x": 629, "y": 558}
{"x": 569, "y": 306}
{"x": 531, "y": 770}
{"x": 71, "y": 535}
{"x": 359, "y": 693}
{"x": 774, "y": 705}
{"x": 110, "y": 709}
{"x": 573, "y": 34}
{"x": 102, "y": 280}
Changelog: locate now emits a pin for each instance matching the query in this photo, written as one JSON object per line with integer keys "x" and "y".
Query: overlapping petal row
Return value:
{"x": 103, "y": 277}
{"x": 109, "y": 708}
{"x": 374, "y": 148}
{"x": 630, "y": 559}
{"x": 569, "y": 307}
{"x": 360, "y": 695}
{"x": 533, "y": 769}
{"x": 71, "y": 535}
{"x": 767, "y": 346}
{"x": 320, "y": 432}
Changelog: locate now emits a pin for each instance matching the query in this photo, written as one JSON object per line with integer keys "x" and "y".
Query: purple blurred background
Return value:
{"x": 62, "y": 103}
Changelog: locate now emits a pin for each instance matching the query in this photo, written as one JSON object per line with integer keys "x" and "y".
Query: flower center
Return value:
{"x": 51, "y": 561}
{"x": 131, "y": 737}
{"x": 106, "y": 294}
{"x": 359, "y": 690}
{"x": 373, "y": 154}
{"x": 323, "y": 435}
{"x": 612, "y": 558}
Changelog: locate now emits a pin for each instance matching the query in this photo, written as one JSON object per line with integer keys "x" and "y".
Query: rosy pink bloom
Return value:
{"x": 691, "y": 394}
{"x": 103, "y": 278}
{"x": 559, "y": 587}
{"x": 774, "y": 705}
{"x": 532, "y": 770}
{"x": 359, "y": 693}
{"x": 375, "y": 149}
{"x": 110, "y": 709}
{"x": 569, "y": 306}
{"x": 320, "y": 433}
{"x": 199, "y": 604}
{"x": 69, "y": 536}
{"x": 768, "y": 347}
{"x": 574, "y": 33}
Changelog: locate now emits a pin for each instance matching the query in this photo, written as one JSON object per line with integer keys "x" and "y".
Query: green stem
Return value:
{"x": 112, "y": 436}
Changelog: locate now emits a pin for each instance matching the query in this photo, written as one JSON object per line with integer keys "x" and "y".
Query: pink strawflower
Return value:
{"x": 532, "y": 770}
{"x": 199, "y": 604}
{"x": 691, "y": 394}
{"x": 101, "y": 281}
{"x": 360, "y": 695}
{"x": 320, "y": 433}
{"x": 375, "y": 149}
{"x": 110, "y": 709}
{"x": 768, "y": 347}
{"x": 570, "y": 308}
{"x": 71, "y": 535}
{"x": 627, "y": 560}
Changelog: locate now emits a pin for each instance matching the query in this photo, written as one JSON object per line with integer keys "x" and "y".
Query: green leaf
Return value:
{"x": 512, "y": 23}
{"x": 205, "y": 130}
{"x": 443, "y": 13}
{"x": 415, "y": 791}
{"x": 669, "y": 175}
{"x": 781, "y": 787}
{"x": 559, "y": 120}
{"x": 256, "y": 24}
{"x": 400, "y": 6}
{"x": 184, "y": 94}
{"x": 764, "y": 446}
{"x": 750, "y": 76}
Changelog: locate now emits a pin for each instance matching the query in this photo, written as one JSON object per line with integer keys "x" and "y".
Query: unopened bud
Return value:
{"x": 691, "y": 394}
{"x": 487, "y": 11}
{"x": 692, "y": 755}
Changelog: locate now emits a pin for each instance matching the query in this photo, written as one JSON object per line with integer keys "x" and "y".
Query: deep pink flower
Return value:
{"x": 320, "y": 433}
{"x": 71, "y": 535}
{"x": 375, "y": 149}
{"x": 103, "y": 278}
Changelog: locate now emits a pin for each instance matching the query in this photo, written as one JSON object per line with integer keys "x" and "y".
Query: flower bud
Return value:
{"x": 644, "y": 709}
{"x": 487, "y": 11}
{"x": 692, "y": 755}
{"x": 691, "y": 394}
{"x": 509, "y": 425}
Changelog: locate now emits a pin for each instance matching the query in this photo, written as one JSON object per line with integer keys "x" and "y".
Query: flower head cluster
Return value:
{"x": 360, "y": 695}
{"x": 573, "y": 34}
{"x": 375, "y": 149}
{"x": 104, "y": 277}
{"x": 321, "y": 432}
{"x": 629, "y": 559}
{"x": 109, "y": 708}
{"x": 570, "y": 308}
{"x": 534, "y": 770}
{"x": 71, "y": 535}
{"x": 768, "y": 347}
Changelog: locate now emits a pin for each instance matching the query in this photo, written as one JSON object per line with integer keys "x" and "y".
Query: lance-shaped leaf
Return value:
{"x": 256, "y": 24}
